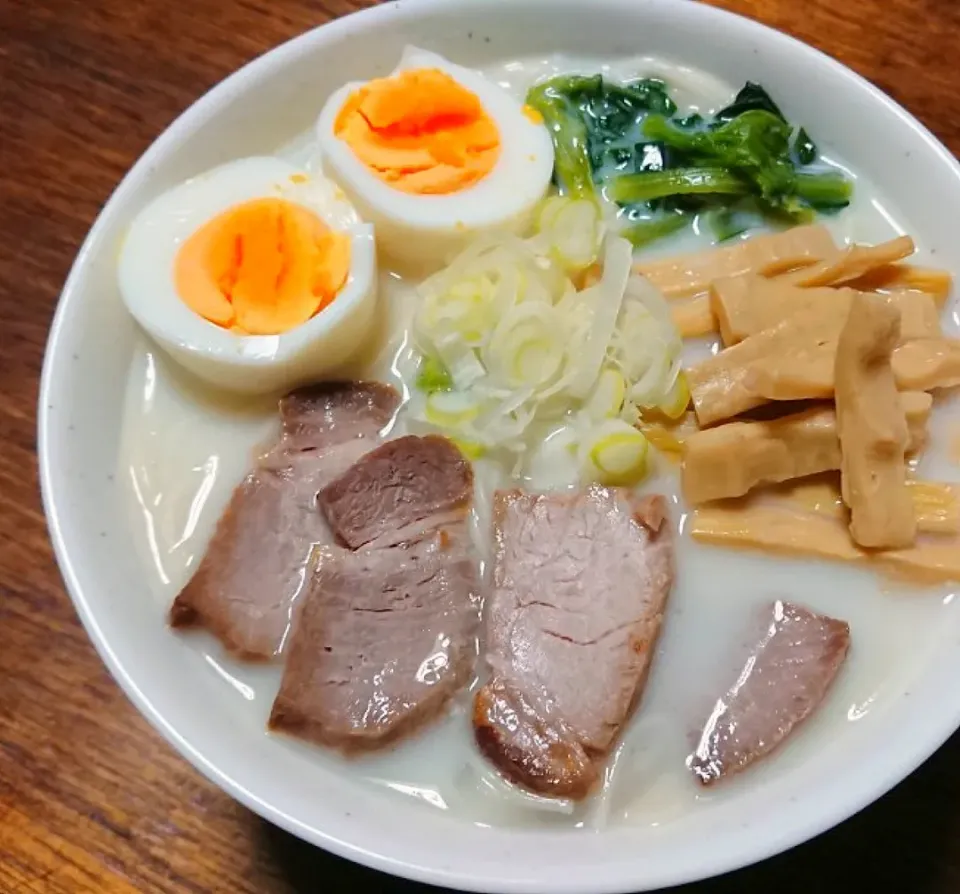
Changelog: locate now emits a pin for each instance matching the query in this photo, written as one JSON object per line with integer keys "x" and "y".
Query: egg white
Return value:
{"x": 427, "y": 229}
{"x": 248, "y": 363}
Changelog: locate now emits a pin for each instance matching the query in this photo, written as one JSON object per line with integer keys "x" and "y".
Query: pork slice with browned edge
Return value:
{"x": 255, "y": 565}
{"x": 386, "y": 634}
{"x": 334, "y": 412}
{"x": 398, "y": 489}
{"x": 385, "y": 637}
{"x": 580, "y": 585}
{"x": 783, "y": 681}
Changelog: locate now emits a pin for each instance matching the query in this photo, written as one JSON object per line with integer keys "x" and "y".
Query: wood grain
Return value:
{"x": 90, "y": 798}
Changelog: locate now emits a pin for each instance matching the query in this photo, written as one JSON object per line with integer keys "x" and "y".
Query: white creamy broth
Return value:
{"x": 184, "y": 448}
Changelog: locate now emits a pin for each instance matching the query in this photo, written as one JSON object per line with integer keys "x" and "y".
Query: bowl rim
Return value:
{"x": 911, "y": 751}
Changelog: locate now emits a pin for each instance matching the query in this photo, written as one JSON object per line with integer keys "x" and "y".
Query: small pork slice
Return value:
{"x": 580, "y": 585}
{"x": 783, "y": 681}
{"x": 406, "y": 483}
{"x": 872, "y": 428}
{"x": 334, "y": 413}
{"x": 732, "y": 459}
{"x": 254, "y": 568}
{"x": 385, "y": 637}
{"x": 686, "y": 275}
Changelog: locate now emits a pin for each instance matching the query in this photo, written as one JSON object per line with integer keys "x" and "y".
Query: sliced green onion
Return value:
{"x": 535, "y": 360}
{"x": 527, "y": 348}
{"x": 630, "y": 413}
{"x": 549, "y": 209}
{"x": 470, "y": 449}
{"x": 466, "y": 309}
{"x": 615, "y": 455}
{"x": 607, "y": 299}
{"x": 433, "y": 376}
{"x": 462, "y": 362}
{"x": 449, "y": 409}
{"x": 542, "y": 349}
{"x": 573, "y": 233}
{"x": 608, "y": 395}
{"x": 675, "y": 404}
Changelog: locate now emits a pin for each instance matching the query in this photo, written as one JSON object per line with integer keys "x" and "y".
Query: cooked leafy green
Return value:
{"x": 619, "y": 157}
{"x": 586, "y": 115}
{"x": 589, "y": 118}
{"x": 755, "y": 146}
{"x": 593, "y": 87}
{"x": 752, "y": 98}
{"x": 662, "y": 168}
{"x": 630, "y": 189}
{"x": 728, "y": 223}
{"x": 804, "y": 148}
{"x": 689, "y": 122}
{"x": 643, "y": 232}
{"x": 598, "y": 95}
{"x": 652, "y": 94}
{"x": 572, "y": 168}
{"x": 650, "y": 157}
{"x": 824, "y": 191}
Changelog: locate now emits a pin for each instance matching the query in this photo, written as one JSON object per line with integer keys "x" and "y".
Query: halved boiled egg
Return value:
{"x": 255, "y": 276}
{"x": 433, "y": 154}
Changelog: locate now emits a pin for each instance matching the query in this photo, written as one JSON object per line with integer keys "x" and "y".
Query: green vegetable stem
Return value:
{"x": 649, "y": 185}
{"x": 825, "y": 191}
{"x": 568, "y": 131}
{"x": 643, "y": 232}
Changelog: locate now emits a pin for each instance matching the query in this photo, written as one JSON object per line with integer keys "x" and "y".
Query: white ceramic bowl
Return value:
{"x": 82, "y": 392}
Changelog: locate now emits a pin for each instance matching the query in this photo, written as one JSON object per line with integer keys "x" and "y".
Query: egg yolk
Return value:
{"x": 262, "y": 267}
{"x": 420, "y": 131}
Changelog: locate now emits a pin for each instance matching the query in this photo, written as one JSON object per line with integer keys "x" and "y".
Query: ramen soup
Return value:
{"x": 610, "y": 466}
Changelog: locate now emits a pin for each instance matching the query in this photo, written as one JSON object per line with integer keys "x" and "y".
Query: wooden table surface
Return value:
{"x": 91, "y": 799}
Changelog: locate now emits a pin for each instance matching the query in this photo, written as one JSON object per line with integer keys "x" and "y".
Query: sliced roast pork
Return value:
{"x": 385, "y": 638}
{"x": 333, "y": 413}
{"x": 259, "y": 557}
{"x": 399, "y": 485}
{"x": 386, "y": 634}
{"x": 580, "y": 585}
{"x": 783, "y": 680}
